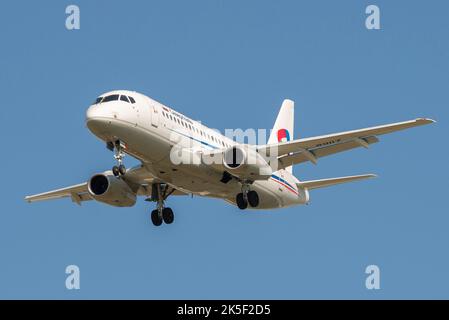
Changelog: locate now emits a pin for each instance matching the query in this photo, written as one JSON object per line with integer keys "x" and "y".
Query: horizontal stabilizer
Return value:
{"x": 315, "y": 184}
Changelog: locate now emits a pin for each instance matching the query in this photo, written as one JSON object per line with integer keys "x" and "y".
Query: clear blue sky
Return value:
{"x": 230, "y": 64}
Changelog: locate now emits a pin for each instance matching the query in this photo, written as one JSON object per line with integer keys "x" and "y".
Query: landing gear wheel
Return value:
{"x": 122, "y": 169}
{"x": 116, "y": 171}
{"x": 155, "y": 218}
{"x": 117, "y": 146}
{"x": 253, "y": 199}
{"x": 168, "y": 215}
{"x": 242, "y": 203}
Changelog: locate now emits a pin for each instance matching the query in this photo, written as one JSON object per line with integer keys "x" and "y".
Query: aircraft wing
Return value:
{"x": 137, "y": 177}
{"x": 310, "y": 149}
{"x": 78, "y": 193}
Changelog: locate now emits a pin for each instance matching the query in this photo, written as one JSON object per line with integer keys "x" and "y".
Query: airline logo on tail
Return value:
{"x": 283, "y": 135}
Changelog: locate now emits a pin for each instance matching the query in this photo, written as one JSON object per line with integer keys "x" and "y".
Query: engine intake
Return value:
{"x": 234, "y": 157}
{"x": 245, "y": 162}
{"x": 98, "y": 185}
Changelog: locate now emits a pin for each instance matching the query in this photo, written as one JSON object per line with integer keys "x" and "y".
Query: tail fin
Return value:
{"x": 283, "y": 127}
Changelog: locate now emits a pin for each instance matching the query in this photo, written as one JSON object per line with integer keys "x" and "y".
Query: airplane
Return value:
{"x": 180, "y": 156}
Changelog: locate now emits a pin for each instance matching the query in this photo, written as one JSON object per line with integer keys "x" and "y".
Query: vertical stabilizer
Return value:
{"x": 283, "y": 127}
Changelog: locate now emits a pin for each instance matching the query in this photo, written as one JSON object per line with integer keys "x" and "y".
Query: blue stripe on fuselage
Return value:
{"x": 194, "y": 139}
{"x": 283, "y": 181}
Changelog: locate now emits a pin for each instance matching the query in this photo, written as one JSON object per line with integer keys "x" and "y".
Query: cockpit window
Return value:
{"x": 124, "y": 98}
{"x": 98, "y": 100}
{"x": 113, "y": 97}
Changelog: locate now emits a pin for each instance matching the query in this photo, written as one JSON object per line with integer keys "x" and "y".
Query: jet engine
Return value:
{"x": 246, "y": 163}
{"x": 111, "y": 190}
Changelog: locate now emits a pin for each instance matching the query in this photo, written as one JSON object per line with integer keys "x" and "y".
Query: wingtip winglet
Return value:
{"x": 425, "y": 120}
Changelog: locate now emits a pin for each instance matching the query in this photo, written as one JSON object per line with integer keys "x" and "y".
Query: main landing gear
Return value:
{"x": 160, "y": 193}
{"x": 117, "y": 147}
{"x": 247, "y": 197}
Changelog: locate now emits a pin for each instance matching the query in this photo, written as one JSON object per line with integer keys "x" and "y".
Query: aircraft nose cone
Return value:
{"x": 97, "y": 119}
{"x": 98, "y": 112}
{"x": 92, "y": 113}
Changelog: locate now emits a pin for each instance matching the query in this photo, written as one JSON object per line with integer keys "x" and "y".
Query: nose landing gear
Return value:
{"x": 117, "y": 147}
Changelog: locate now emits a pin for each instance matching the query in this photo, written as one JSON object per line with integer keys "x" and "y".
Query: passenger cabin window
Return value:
{"x": 113, "y": 97}
{"x": 124, "y": 98}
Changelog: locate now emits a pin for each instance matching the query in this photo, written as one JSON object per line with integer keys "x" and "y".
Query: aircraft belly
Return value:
{"x": 268, "y": 199}
{"x": 206, "y": 182}
{"x": 202, "y": 181}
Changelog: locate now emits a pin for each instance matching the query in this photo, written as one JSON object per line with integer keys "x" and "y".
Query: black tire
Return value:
{"x": 157, "y": 221}
{"x": 241, "y": 202}
{"x": 115, "y": 171}
{"x": 168, "y": 215}
{"x": 253, "y": 199}
{"x": 122, "y": 169}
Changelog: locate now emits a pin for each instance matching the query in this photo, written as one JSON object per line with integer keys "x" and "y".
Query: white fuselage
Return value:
{"x": 150, "y": 130}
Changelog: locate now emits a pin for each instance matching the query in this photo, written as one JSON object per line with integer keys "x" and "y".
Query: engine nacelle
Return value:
{"x": 246, "y": 163}
{"x": 111, "y": 190}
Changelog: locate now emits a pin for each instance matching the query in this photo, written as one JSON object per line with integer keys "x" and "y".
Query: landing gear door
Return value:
{"x": 154, "y": 116}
